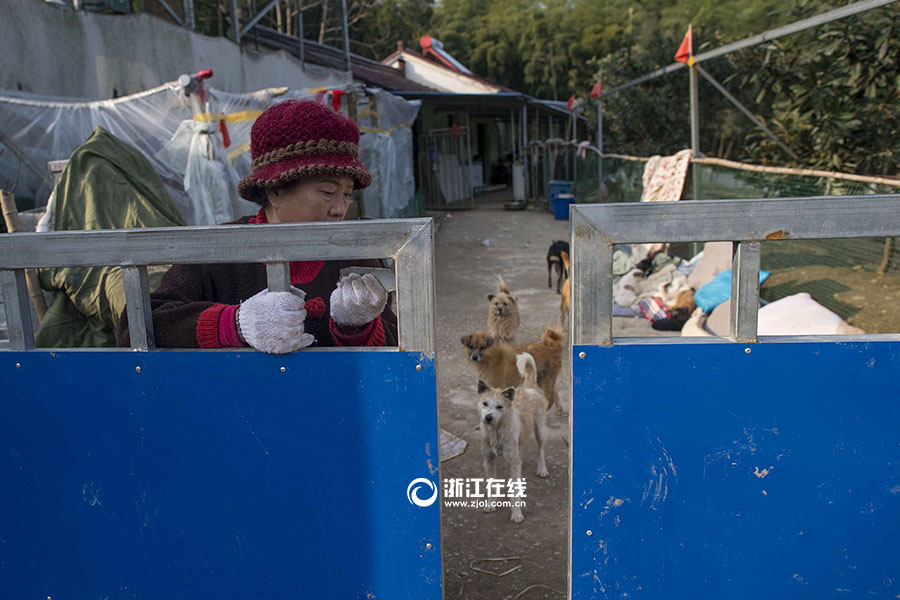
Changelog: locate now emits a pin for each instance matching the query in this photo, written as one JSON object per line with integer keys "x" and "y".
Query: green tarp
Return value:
{"x": 107, "y": 184}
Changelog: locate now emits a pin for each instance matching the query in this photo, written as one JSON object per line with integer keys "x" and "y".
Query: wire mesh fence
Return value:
{"x": 859, "y": 279}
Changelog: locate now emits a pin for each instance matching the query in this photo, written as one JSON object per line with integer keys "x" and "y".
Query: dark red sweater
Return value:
{"x": 190, "y": 299}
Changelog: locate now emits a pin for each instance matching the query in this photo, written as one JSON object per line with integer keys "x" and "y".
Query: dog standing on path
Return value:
{"x": 547, "y": 353}
{"x": 554, "y": 261}
{"x": 503, "y": 315}
{"x": 507, "y": 417}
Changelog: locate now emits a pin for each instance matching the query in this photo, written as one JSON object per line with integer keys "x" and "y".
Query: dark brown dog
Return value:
{"x": 547, "y": 354}
{"x": 494, "y": 363}
{"x": 554, "y": 261}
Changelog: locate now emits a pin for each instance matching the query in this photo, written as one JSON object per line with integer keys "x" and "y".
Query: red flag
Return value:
{"x": 571, "y": 103}
{"x": 597, "y": 90}
{"x": 686, "y": 49}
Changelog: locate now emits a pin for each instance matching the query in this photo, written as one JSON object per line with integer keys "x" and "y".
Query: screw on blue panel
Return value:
{"x": 418, "y": 367}
{"x": 581, "y": 355}
{"x": 747, "y": 350}
{"x": 137, "y": 369}
{"x": 283, "y": 370}
{"x": 18, "y": 365}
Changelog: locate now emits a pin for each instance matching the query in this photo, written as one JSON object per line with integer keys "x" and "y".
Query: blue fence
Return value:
{"x": 161, "y": 474}
{"x": 738, "y": 467}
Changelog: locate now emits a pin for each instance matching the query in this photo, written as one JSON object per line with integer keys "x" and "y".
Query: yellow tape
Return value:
{"x": 387, "y": 131}
{"x": 238, "y": 117}
{"x": 233, "y": 154}
{"x": 691, "y": 61}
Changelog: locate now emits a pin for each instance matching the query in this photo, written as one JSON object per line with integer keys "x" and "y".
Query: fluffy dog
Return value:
{"x": 547, "y": 354}
{"x": 503, "y": 315}
{"x": 554, "y": 261}
{"x": 564, "y": 301}
{"x": 493, "y": 362}
{"x": 506, "y": 419}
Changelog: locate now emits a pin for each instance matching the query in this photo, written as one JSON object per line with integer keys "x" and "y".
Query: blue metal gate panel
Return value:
{"x": 217, "y": 475}
{"x": 702, "y": 471}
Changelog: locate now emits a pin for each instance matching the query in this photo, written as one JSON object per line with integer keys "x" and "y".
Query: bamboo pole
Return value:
{"x": 805, "y": 172}
{"x": 11, "y": 217}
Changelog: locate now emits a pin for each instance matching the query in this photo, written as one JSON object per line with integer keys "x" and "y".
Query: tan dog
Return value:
{"x": 564, "y": 301}
{"x": 503, "y": 315}
{"x": 507, "y": 417}
{"x": 494, "y": 363}
{"x": 547, "y": 355}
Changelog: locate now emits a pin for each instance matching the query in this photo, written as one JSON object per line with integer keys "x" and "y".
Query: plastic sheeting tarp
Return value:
{"x": 186, "y": 147}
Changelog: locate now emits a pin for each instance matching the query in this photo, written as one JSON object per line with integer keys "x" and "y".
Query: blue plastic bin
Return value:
{"x": 560, "y": 206}
{"x": 558, "y": 187}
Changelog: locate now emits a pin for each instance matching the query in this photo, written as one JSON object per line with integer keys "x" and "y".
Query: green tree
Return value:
{"x": 832, "y": 93}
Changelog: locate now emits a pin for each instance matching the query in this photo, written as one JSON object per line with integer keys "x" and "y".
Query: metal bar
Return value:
{"x": 512, "y": 134}
{"x": 18, "y": 313}
{"x": 190, "y": 20}
{"x": 695, "y": 133}
{"x": 137, "y": 307}
{"x": 235, "y": 29}
{"x": 821, "y": 217}
{"x": 721, "y": 89}
{"x": 525, "y": 154}
{"x": 415, "y": 291}
{"x": 590, "y": 274}
{"x": 171, "y": 12}
{"x": 266, "y": 9}
{"x": 346, "y": 34}
{"x": 215, "y": 244}
{"x": 300, "y": 30}
{"x": 278, "y": 275}
{"x": 600, "y": 146}
{"x": 796, "y": 27}
{"x": 469, "y": 153}
{"x": 745, "y": 291}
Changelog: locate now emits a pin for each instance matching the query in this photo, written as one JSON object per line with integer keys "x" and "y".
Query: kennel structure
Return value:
{"x": 185, "y": 473}
{"x": 744, "y": 467}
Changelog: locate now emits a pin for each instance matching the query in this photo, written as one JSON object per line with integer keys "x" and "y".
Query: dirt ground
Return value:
{"x": 466, "y": 271}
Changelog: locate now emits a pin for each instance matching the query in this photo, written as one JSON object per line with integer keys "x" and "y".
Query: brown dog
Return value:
{"x": 547, "y": 354}
{"x": 564, "y": 301}
{"x": 494, "y": 363}
{"x": 503, "y": 315}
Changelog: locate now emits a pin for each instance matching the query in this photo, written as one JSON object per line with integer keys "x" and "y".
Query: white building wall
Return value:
{"x": 427, "y": 73}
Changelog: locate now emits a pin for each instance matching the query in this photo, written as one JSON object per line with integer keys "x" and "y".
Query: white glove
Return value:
{"x": 357, "y": 300}
{"x": 273, "y": 321}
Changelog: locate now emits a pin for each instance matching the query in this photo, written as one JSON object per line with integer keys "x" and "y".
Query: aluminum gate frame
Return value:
{"x": 744, "y": 467}
{"x": 173, "y": 473}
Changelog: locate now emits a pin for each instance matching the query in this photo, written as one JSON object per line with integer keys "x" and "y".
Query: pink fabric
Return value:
{"x": 228, "y": 335}
{"x": 371, "y": 335}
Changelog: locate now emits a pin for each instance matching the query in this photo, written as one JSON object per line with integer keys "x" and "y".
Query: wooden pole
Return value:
{"x": 11, "y": 217}
{"x": 886, "y": 258}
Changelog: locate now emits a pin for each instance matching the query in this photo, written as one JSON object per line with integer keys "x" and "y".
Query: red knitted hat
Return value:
{"x": 296, "y": 138}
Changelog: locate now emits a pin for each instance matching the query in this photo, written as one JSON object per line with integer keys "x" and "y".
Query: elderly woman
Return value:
{"x": 305, "y": 167}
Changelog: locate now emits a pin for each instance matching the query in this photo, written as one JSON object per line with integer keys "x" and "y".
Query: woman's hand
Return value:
{"x": 273, "y": 321}
{"x": 358, "y": 300}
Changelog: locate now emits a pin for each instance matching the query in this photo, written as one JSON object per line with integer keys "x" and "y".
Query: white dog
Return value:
{"x": 507, "y": 418}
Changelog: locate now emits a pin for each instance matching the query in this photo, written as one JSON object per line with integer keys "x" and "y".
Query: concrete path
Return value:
{"x": 466, "y": 271}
